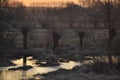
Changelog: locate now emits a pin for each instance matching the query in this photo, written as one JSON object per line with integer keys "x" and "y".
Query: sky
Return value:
{"x": 29, "y": 2}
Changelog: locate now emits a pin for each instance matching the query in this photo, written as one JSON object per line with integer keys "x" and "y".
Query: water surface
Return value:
{"x": 6, "y": 74}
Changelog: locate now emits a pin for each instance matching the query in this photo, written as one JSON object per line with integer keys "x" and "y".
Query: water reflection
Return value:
{"x": 5, "y": 74}
{"x": 30, "y": 62}
{"x": 10, "y": 75}
{"x": 69, "y": 65}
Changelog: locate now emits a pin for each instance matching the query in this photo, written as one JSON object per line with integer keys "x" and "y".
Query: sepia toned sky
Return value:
{"x": 29, "y": 2}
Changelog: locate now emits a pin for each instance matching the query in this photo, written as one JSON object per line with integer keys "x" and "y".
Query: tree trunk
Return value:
{"x": 112, "y": 34}
{"x": 81, "y": 37}
{"x": 110, "y": 60}
{"x": 81, "y": 42}
{"x": 25, "y": 35}
{"x": 24, "y": 60}
{"x": 56, "y": 37}
{"x": 55, "y": 44}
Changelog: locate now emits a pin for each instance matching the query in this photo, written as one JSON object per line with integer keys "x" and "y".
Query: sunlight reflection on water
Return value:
{"x": 5, "y": 74}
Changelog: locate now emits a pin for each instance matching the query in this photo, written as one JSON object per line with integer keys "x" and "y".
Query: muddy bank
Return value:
{"x": 6, "y": 63}
{"x": 77, "y": 73}
{"x": 25, "y": 68}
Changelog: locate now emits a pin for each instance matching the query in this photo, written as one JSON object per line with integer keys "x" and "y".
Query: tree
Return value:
{"x": 73, "y": 13}
{"x": 4, "y": 3}
{"x": 109, "y": 9}
{"x": 56, "y": 37}
{"x": 108, "y": 13}
{"x": 4, "y": 21}
{"x": 81, "y": 35}
{"x": 7, "y": 37}
{"x": 22, "y": 23}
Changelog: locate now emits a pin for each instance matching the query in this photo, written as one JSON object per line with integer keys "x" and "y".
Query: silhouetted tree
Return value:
{"x": 73, "y": 13}
{"x": 6, "y": 36}
{"x": 4, "y": 3}
{"x": 109, "y": 8}
{"x": 108, "y": 15}
{"x": 81, "y": 35}
{"x": 56, "y": 37}
{"x": 4, "y": 22}
{"x": 22, "y": 22}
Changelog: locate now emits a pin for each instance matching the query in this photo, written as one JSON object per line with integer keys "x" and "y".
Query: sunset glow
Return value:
{"x": 45, "y": 2}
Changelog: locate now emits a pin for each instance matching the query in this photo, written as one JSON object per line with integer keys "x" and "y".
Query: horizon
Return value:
{"x": 46, "y": 3}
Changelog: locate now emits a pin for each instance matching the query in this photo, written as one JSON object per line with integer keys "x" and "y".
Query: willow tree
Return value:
{"x": 111, "y": 12}
{"x": 106, "y": 13}
{"x": 4, "y": 21}
{"x": 56, "y": 38}
{"x": 22, "y": 23}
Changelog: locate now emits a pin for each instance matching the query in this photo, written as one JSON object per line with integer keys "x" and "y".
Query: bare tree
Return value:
{"x": 22, "y": 23}
{"x": 56, "y": 35}
{"x": 4, "y": 21}
{"x": 107, "y": 14}
{"x": 81, "y": 35}
{"x": 4, "y": 3}
{"x": 109, "y": 8}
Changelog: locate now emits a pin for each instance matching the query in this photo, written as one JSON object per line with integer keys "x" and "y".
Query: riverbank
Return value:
{"x": 78, "y": 73}
{"x": 6, "y": 63}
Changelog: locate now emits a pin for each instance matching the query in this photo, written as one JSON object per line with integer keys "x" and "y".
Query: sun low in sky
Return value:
{"x": 50, "y": 2}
